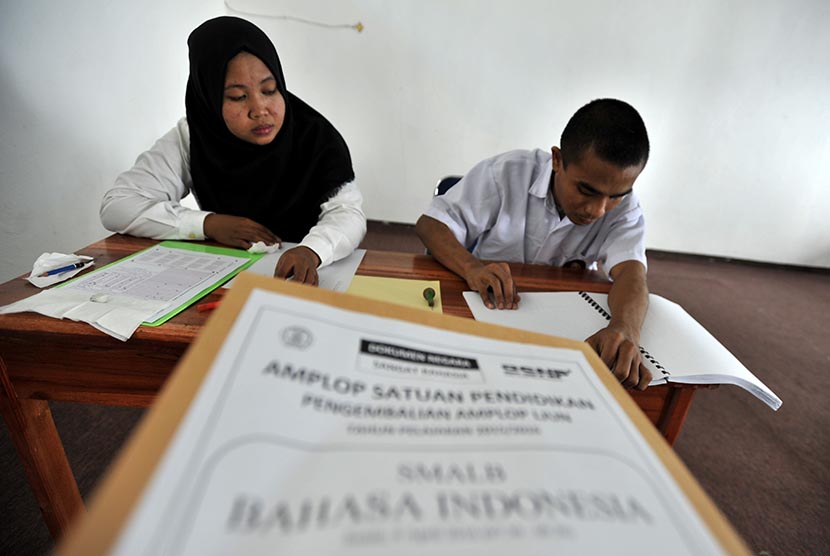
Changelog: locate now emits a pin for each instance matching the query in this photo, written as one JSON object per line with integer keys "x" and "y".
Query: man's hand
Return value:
{"x": 619, "y": 350}
{"x": 486, "y": 279}
{"x": 618, "y": 344}
{"x": 495, "y": 278}
{"x": 237, "y": 231}
{"x": 301, "y": 263}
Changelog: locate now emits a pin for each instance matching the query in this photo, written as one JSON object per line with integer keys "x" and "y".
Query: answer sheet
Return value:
{"x": 170, "y": 275}
{"x": 319, "y": 430}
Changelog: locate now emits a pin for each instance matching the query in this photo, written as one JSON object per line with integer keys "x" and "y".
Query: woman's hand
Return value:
{"x": 299, "y": 262}
{"x": 237, "y": 231}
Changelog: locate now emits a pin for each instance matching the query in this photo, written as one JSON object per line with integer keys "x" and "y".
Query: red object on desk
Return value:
{"x": 208, "y": 306}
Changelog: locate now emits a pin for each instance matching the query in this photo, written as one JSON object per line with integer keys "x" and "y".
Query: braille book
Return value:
{"x": 674, "y": 346}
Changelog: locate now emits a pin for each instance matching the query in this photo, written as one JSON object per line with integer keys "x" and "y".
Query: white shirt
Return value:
{"x": 501, "y": 211}
{"x": 145, "y": 202}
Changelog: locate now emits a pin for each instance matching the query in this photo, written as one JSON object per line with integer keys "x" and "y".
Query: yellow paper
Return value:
{"x": 397, "y": 290}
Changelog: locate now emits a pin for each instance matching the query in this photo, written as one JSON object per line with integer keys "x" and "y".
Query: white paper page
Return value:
{"x": 324, "y": 431}
{"x": 563, "y": 314}
{"x": 689, "y": 352}
{"x": 675, "y": 340}
{"x": 166, "y": 274}
{"x": 118, "y": 316}
{"x": 337, "y": 276}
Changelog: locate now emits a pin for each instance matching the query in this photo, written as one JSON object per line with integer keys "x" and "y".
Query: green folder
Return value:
{"x": 228, "y": 251}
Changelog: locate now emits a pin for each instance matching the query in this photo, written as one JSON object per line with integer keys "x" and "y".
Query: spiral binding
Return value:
{"x": 601, "y": 310}
{"x": 593, "y": 303}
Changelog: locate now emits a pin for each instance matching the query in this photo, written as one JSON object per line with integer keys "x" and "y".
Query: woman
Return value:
{"x": 262, "y": 164}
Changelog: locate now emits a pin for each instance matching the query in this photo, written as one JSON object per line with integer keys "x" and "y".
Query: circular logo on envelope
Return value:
{"x": 297, "y": 337}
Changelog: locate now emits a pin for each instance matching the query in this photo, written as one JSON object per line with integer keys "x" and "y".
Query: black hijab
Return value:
{"x": 280, "y": 185}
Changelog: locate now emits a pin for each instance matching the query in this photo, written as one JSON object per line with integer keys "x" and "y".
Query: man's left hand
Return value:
{"x": 300, "y": 263}
{"x": 619, "y": 350}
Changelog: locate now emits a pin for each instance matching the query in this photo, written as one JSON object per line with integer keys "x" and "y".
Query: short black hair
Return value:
{"x": 612, "y": 127}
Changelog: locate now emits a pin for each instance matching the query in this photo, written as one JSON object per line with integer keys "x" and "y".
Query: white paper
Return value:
{"x": 336, "y": 276}
{"x": 116, "y": 315}
{"x": 676, "y": 347}
{"x": 324, "y": 431}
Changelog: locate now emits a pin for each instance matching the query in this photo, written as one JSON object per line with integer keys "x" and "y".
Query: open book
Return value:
{"x": 675, "y": 347}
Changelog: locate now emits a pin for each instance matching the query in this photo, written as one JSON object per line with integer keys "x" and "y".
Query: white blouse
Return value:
{"x": 145, "y": 202}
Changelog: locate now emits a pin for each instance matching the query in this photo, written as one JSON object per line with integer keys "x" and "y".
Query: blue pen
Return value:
{"x": 63, "y": 269}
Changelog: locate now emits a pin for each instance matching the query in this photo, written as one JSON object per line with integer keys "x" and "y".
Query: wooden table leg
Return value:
{"x": 41, "y": 452}
{"x": 674, "y": 412}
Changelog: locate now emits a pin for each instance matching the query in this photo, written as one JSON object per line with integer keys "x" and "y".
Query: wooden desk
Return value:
{"x": 43, "y": 359}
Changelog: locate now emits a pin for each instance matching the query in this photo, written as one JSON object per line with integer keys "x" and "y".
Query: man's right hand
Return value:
{"x": 237, "y": 231}
{"x": 491, "y": 279}
{"x": 494, "y": 283}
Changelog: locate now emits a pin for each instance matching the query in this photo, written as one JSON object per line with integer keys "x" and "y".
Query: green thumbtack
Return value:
{"x": 429, "y": 295}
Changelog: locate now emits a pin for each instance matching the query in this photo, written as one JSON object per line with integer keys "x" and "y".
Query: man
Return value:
{"x": 572, "y": 206}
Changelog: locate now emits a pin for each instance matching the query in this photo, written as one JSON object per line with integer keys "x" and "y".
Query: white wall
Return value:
{"x": 86, "y": 86}
{"x": 734, "y": 93}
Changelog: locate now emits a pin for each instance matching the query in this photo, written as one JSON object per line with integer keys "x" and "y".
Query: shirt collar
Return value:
{"x": 540, "y": 187}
